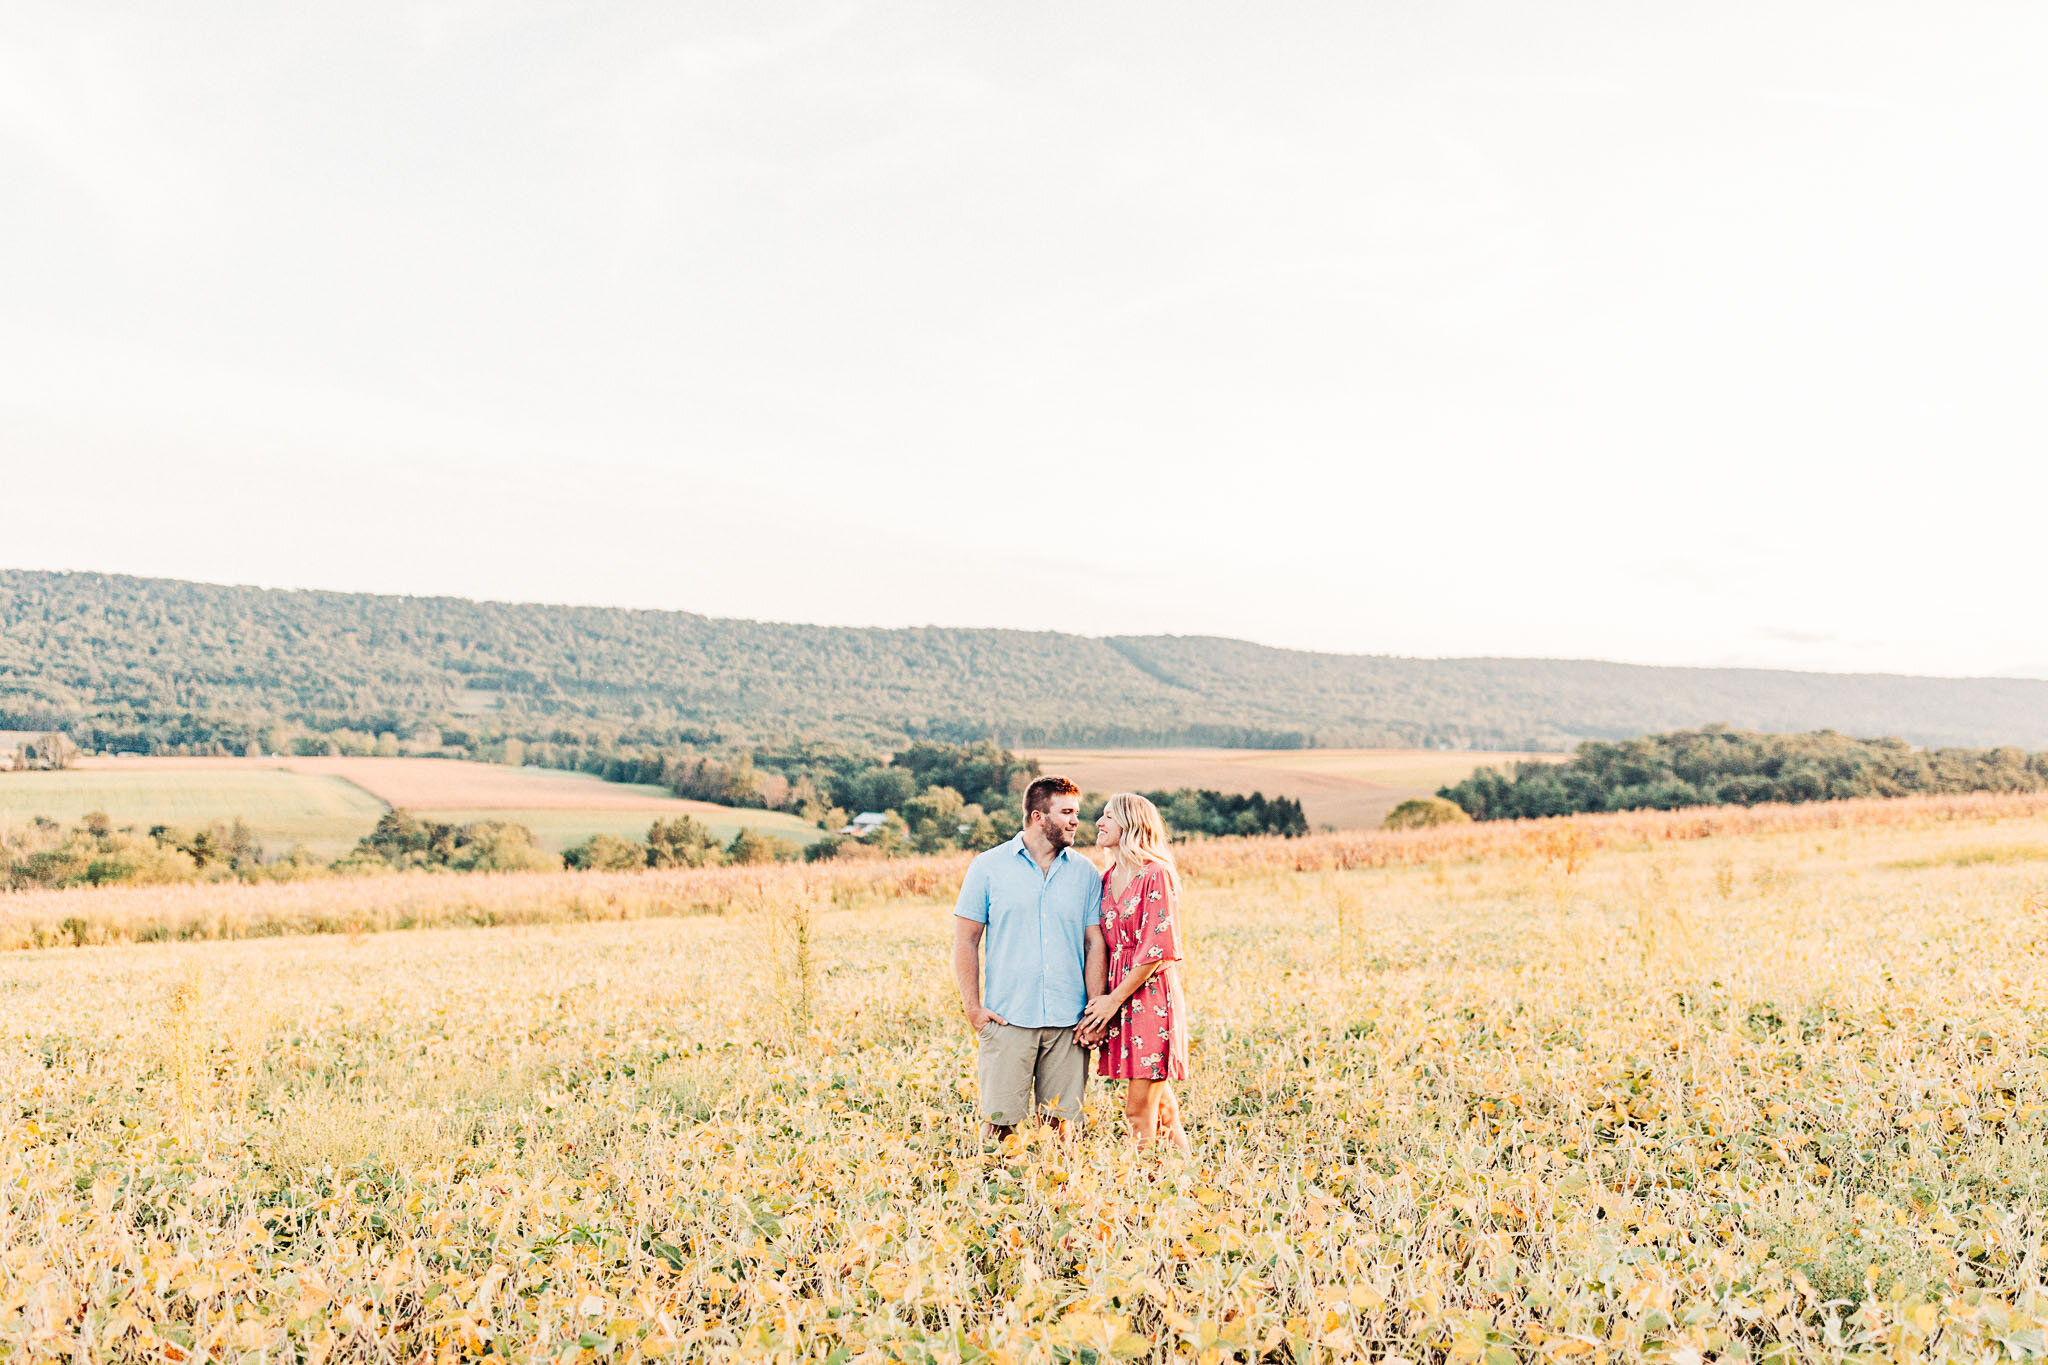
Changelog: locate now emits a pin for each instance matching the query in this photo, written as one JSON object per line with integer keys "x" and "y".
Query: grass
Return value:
{"x": 325, "y": 813}
{"x": 1726, "y": 1087}
{"x": 1338, "y": 788}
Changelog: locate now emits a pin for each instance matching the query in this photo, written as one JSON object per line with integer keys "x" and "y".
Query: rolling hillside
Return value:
{"x": 194, "y": 661}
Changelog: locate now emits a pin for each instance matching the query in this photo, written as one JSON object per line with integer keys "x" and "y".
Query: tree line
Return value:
{"x": 43, "y": 853}
{"x": 1719, "y": 766}
{"x": 94, "y": 852}
{"x": 933, "y": 798}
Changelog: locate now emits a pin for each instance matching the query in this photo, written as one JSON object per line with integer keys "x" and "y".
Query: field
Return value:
{"x": 423, "y": 784}
{"x": 329, "y": 803}
{"x": 1714, "y": 1085}
{"x": 1338, "y": 788}
{"x": 325, "y": 813}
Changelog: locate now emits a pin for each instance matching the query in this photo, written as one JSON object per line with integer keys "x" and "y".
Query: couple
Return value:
{"x": 1075, "y": 960}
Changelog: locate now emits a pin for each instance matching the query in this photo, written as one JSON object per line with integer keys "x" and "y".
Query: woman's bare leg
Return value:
{"x": 1141, "y": 1109}
{"x": 1169, "y": 1117}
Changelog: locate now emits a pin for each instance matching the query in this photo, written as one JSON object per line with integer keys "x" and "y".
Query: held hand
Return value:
{"x": 1101, "y": 1012}
{"x": 978, "y": 1018}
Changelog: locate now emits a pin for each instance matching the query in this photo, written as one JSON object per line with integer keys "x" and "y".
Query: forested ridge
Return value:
{"x": 152, "y": 662}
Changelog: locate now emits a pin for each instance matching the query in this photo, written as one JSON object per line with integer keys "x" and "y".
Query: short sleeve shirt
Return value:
{"x": 1037, "y": 941}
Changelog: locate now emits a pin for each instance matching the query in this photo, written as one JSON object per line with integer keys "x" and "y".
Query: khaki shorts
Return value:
{"x": 1020, "y": 1064}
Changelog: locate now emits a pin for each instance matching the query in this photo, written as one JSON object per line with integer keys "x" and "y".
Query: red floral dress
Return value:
{"x": 1148, "y": 1038}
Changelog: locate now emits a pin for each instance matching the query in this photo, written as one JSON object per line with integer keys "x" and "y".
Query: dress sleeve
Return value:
{"x": 1159, "y": 939}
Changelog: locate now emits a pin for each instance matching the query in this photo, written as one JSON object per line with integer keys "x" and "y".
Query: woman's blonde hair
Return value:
{"x": 1144, "y": 835}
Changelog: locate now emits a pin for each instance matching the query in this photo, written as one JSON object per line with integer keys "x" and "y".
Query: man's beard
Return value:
{"x": 1058, "y": 838}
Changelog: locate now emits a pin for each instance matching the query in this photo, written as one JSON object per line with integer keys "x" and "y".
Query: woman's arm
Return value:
{"x": 1161, "y": 938}
{"x": 1103, "y": 1008}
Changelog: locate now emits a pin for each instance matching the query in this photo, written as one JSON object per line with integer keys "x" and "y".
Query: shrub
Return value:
{"x": 606, "y": 853}
{"x": 499, "y": 846}
{"x": 751, "y": 846}
{"x": 1422, "y": 812}
{"x": 680, "y": 842}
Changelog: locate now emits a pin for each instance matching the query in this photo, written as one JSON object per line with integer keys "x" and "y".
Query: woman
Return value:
{"x": 1140, "y": 1026}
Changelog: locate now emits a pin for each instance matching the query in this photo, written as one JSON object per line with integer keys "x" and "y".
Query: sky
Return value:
{"x": 1694, "y": 333}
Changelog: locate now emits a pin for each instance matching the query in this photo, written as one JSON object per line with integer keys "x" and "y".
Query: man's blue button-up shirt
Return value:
{"x": 1036, "y": 946}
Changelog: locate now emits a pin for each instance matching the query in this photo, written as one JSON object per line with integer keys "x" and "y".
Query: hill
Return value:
{"x": 144, "y": 660}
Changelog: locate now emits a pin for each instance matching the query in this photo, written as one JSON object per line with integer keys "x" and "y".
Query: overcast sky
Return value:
{"x": 1680, "y": 333}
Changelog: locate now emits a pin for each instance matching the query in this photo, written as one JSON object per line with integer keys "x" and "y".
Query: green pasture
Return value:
{"x": 555, "y": 830}
{"x": 326, "y": 814}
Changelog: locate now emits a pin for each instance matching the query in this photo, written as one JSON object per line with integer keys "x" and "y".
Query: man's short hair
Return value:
{"x": 1038, "y": 796}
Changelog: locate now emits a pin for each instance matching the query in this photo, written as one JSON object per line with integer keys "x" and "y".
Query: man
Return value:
{"x": 1037, "y": 904}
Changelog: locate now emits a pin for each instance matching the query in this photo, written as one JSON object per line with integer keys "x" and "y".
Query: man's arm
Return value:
{"x": 967, "y": 972}
{"x": 1096, "y": 969}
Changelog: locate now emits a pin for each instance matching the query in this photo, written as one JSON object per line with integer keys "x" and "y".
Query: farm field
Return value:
{"x": 325, "y": 813}
{"x": 438, "y": 783}
{"x": 1722, "y": 1085}
{"x": 1338, "y": 788}
{"x": 329, "y": 803}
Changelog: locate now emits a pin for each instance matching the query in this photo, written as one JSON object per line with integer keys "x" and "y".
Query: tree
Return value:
{"x": 751, "y": 846}
{"x": 680, "y": 842}
{"x": 47, "y": 753}
{"x": 606, "y": 853}
{"x": 230, "y": 846}
{"x": 402, "y": 839}
{"x": 1720, "y": 766}
{"x": 981, "y": 830}
{"x": 878, "y": 789}
{"x": 1421, "y": 812}
{"x": 890, "y": 838}
{"x": 805, "y": 801}
{"x": 50, "y": 857}
{"x": 934, "y": 819}
{"x": 499, "y": 846}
